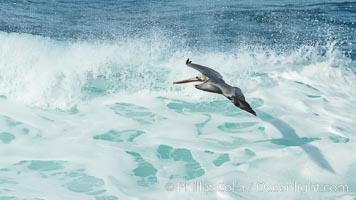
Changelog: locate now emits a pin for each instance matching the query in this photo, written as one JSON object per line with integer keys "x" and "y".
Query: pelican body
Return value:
{"x": 213, "y": 82}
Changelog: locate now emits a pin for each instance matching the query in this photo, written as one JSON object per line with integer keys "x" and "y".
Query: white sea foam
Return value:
{"x": 120, "y": 113}
{"x": 60, "y": 74}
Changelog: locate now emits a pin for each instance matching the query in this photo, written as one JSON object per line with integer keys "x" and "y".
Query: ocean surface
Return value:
{"x": 88, "y": 109}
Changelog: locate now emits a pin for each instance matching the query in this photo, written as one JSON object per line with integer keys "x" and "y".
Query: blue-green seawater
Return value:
{"x": 88, "y": 109}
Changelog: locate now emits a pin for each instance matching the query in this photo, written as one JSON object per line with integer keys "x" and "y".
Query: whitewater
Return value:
{"x": 90, "y": 111}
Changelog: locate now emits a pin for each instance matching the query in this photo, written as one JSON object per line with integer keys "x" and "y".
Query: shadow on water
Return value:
{"x": 290, "y": 138}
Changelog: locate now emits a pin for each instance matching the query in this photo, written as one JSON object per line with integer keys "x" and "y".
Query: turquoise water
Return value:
{"x": 88, "y": 109}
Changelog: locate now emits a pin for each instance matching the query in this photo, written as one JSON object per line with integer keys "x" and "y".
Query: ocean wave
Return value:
{"x": 46, "y": 73}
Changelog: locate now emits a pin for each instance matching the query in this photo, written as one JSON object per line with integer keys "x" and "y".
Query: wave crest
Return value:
{"x": 42, "y": 72}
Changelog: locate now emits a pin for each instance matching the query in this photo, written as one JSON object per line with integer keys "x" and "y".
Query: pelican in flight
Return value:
{"x": 213, "y": 82}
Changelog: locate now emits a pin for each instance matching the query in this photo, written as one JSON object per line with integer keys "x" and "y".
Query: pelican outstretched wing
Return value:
{"x": 238, "y": 99}
{"x": 210, "y": 73}
{"x": 242, "y": 104}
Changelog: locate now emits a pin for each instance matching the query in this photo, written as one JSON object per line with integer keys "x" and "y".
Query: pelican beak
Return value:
{"x": 194, "y": 79}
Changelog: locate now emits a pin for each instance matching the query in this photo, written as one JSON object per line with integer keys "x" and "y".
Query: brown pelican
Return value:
{"x": 213, "y": 82}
